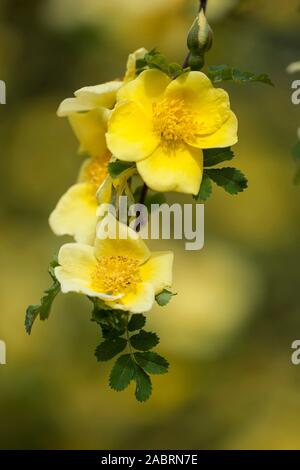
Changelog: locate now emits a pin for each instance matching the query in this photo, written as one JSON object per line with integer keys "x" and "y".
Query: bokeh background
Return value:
{"x": 228, "y": 332}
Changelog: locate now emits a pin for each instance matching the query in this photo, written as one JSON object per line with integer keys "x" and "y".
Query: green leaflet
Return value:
{"x": 144, "y": 340}
{"x": 122, "y": 373}
{"x": 112, "y": 322}
{"x": 143, "y": 388}
{"x": 230, "y": 179}
{"x": 221, "y": 73}
{"x": 110, "y": 348}
{"x": 155, "y": 60}
{"x": 205, "y": 189}
{"x": 212, "y": 157}
{"x": 151, "y": 362}
{"x": 125, "y": 370}
{"x": 44, "y": 308}
{"x": 136, "y": 322}
{"x": 116, "y": 168}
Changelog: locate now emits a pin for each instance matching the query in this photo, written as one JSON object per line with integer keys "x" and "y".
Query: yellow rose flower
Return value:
{"x": 88, "y": 113}
{"x": 75, "y": 213}
{"x": 121, "y": 271}
{"x": 163, "y": 125}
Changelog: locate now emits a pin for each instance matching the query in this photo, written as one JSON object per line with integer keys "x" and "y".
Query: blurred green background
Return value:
{"x": 228, "y": 333}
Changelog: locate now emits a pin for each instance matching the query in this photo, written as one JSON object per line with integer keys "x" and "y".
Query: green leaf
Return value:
{"x": 47, "y": 299}
{"x": 230, "y": 179}
{"x": 155, "y": 60}
{"x": 110, "y": 348}
{"x": 136, "y": 322}
{"x": 205, "y": 189}
{"x": 143, "y": 384}
{"x": 44, "y": 308}
{"x": 31, "y": 314}
{"x": 144, "y": 340}
{"x": 116, "y": 168}
{"x": 122, "y": 373}
{"x": 220, "y": 73}
{"x": 175, "y": 70}
{"x": 297, "y": 177}
{"x": 113, "y": 321}
{"x": 214, "y": 156}
{"x": 152, "y": 59}
{"x": 151, "y": 362}
{"x": 296, "y": 151}
{"x": 164, "y": 297}
{"x": 110, "y": 332}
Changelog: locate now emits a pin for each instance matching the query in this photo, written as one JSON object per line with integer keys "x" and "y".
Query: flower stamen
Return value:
{"x": 115, "y": 274}
{"x": 173, "y": 122}
{"x": 96, "y": 171}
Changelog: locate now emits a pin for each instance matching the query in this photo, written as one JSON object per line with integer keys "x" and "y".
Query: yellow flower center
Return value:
{"x": 173, "y": 122}
{"x": 115, "y": 274}
{"x": 96, "y": 170}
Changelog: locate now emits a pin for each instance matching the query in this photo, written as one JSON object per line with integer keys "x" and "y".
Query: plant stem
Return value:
{"x": 203, "y": 5}
{"x": 142, "y": 201}
{"x": 186, "y": 61}
{"x": 143, "y": 193}
{"x": 128, "y": 338}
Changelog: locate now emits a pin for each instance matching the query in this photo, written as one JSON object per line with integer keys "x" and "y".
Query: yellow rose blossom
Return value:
{"x": 88, "y": 113}
{"x": 75, "y": 213}
{"x": 163, "y": 125}
{"x": 121, "y": 271}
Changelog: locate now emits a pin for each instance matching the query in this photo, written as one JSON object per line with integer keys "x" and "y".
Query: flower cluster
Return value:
{"x": 162, "y": 128}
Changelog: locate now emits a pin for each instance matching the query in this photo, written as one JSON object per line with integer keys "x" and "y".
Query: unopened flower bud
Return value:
{"x": 199, "y": 40}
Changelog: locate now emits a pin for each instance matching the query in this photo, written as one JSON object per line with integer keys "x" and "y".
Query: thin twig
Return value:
{"x": 142, "y": 201}
{"x": 203, "y": 5}
{"x": 143, "y": 193}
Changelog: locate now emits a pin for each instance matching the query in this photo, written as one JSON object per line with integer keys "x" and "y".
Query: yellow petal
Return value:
{"x": 131, "y": 63}
{"x": 94, "y": 170}
{"x": 90, "y": 128}
{"x": 104, "y": 192}
{"x": 75, "y": 213}
{"x": 225, "y": 136}
{"x": 115, "y": 238}
{"x": 103, "y": 95}
{"x": 146, "y": 89}
{"x": 209, "y": 108}
{"x": 138, "y": 300}
{"x": 77, "y": 263}
{"x": 177, "y": 170}
{"x": 70, "y": 106}
{"x": 158, "y": 270}
{"x": 130, "y": 135}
